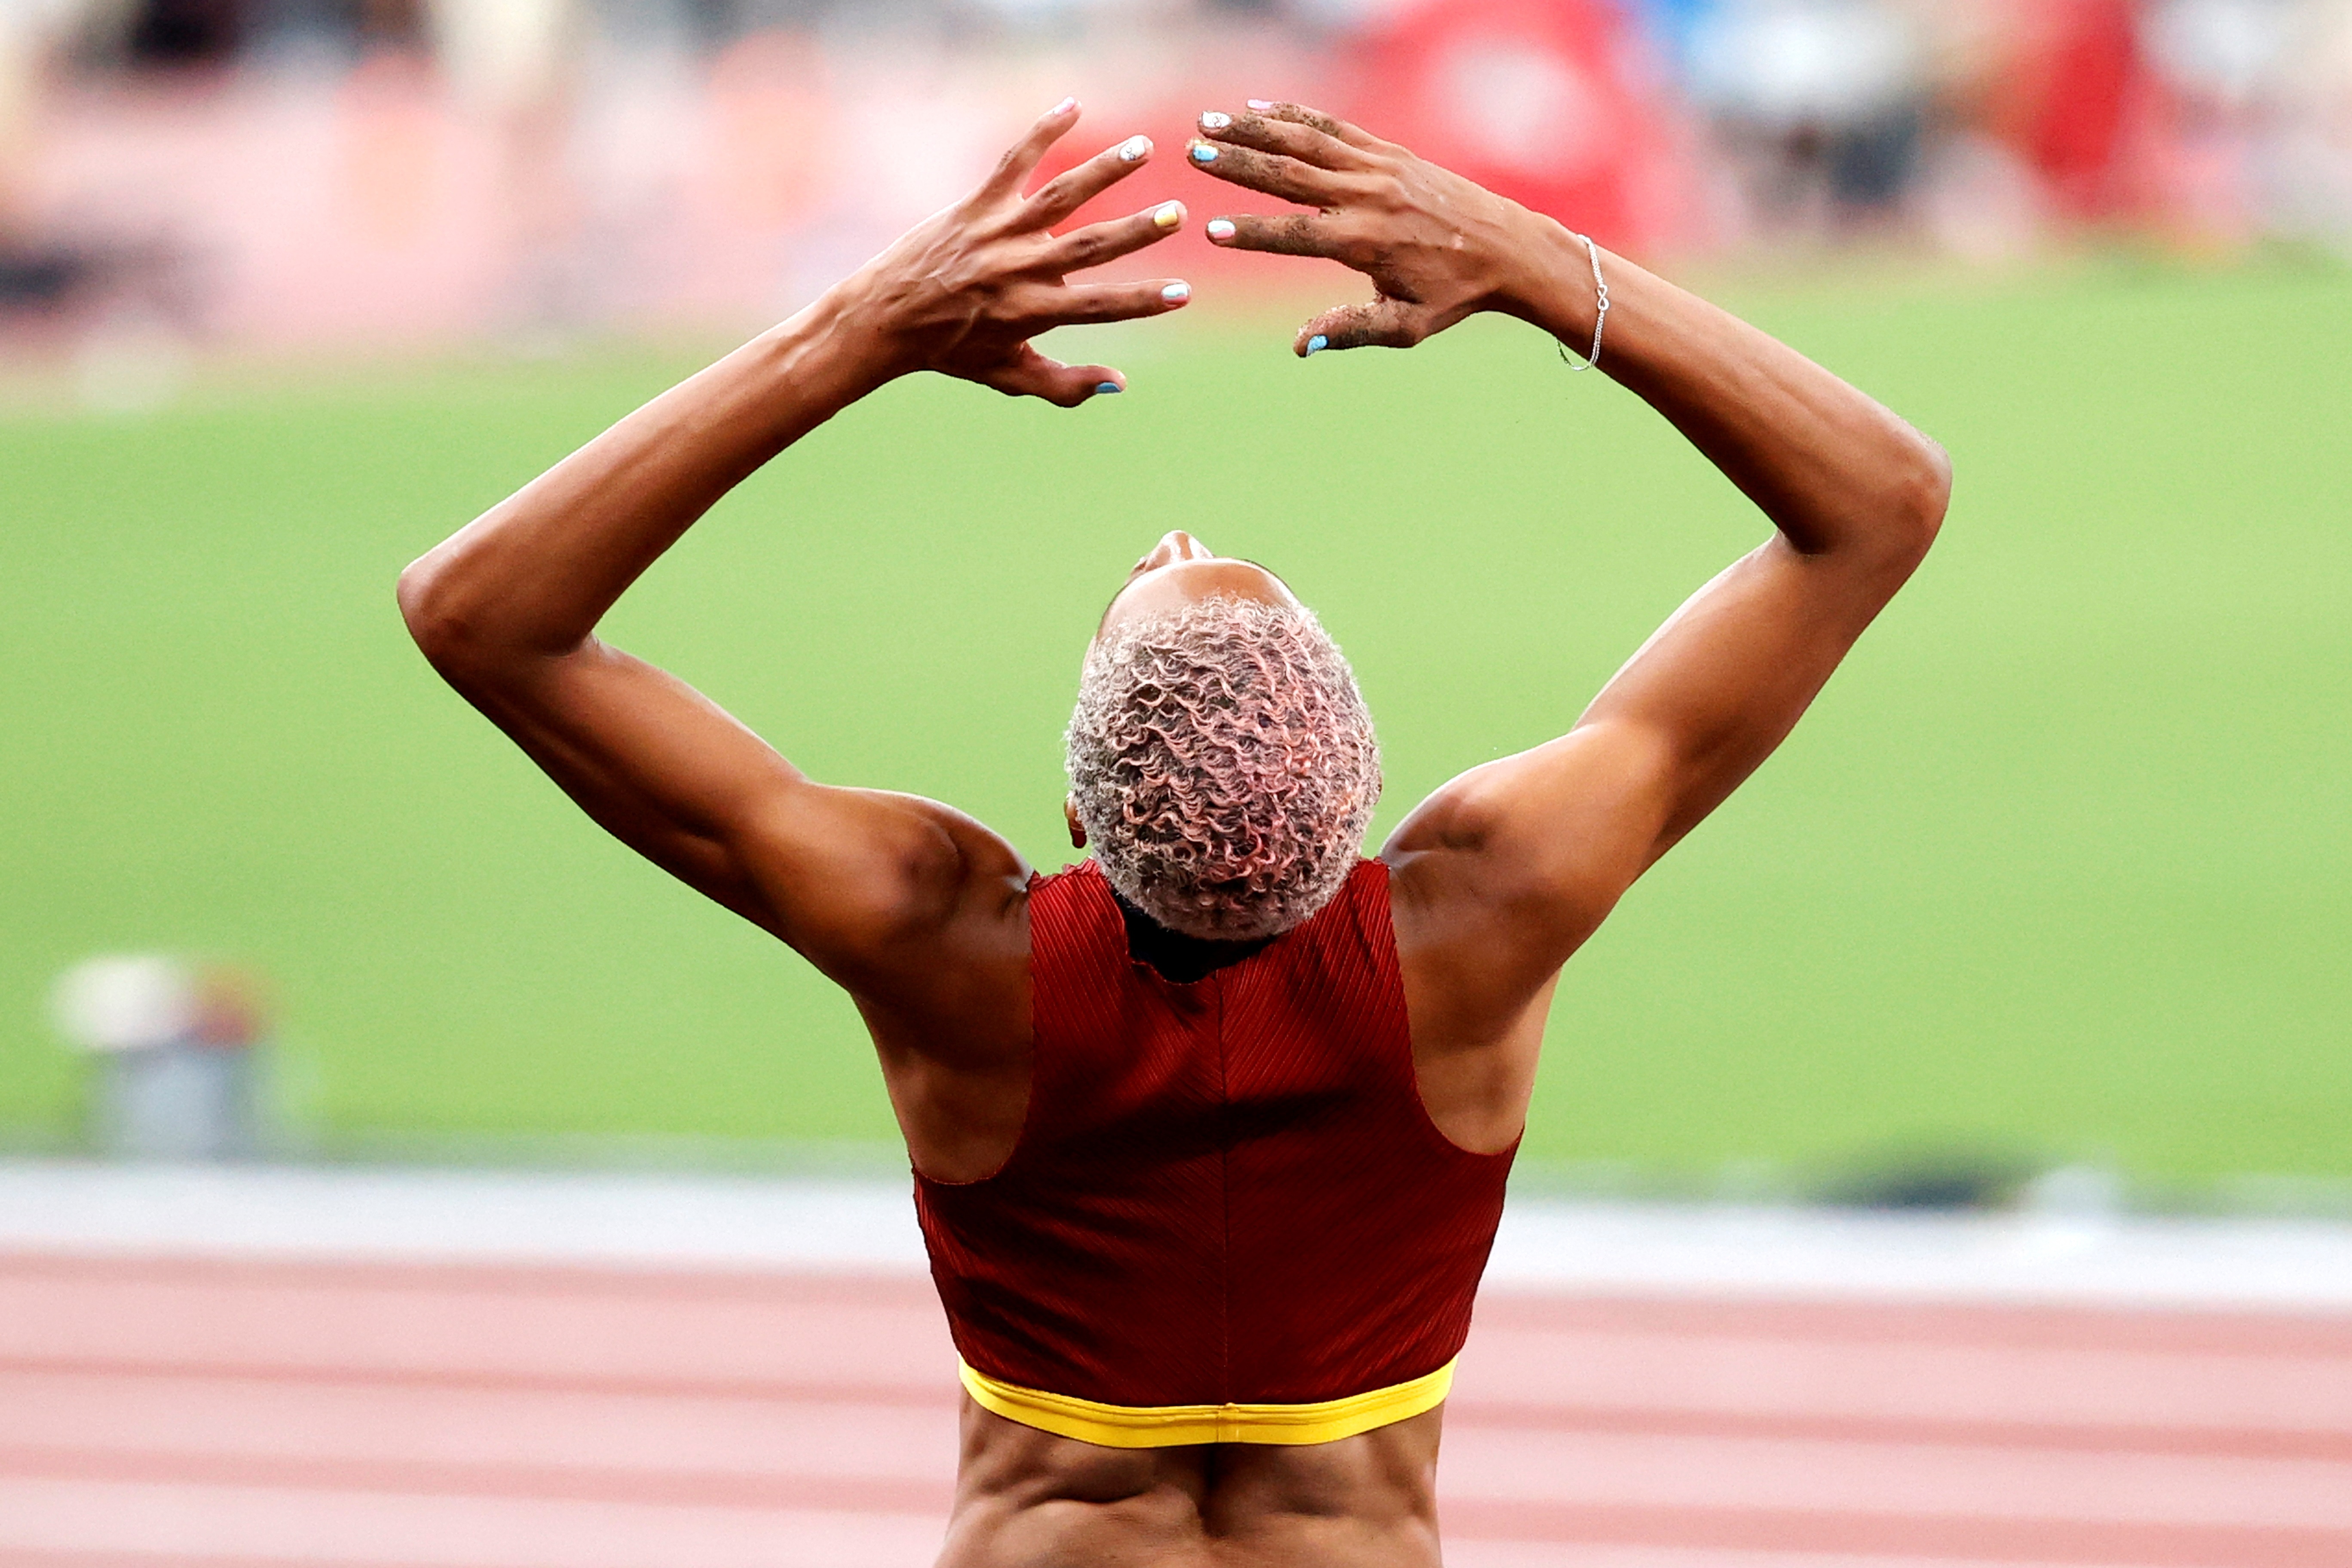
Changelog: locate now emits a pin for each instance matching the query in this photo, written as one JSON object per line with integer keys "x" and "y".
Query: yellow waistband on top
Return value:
{"x": 1176, "y": 1425}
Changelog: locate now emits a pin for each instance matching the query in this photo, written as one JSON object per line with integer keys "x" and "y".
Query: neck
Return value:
{"x": 1177, "y": 957}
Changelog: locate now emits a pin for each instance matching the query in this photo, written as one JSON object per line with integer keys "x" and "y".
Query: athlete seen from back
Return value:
{"x": 1209, "y": 1131}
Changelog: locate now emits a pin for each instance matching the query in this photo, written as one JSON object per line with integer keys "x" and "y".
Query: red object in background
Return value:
{"x": 2096, "y": 89}
{"x": 1551, "y": 102}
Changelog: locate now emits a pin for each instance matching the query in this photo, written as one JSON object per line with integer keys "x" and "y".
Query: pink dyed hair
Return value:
{"x": 1223, "y": 767}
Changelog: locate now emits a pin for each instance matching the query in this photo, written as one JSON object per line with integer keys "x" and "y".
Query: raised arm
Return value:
{"x": 879, "y": 891}
{"x": 1506, "y": 870}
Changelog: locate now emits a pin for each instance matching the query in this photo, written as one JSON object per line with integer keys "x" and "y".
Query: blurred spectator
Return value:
{"x": 2306, "y": 171}
{"x": 511, "y": 65}
{"x": 2224, "y": 52}
{"x": 2086, "y": 100}
{"x": 174, "y": 35}
{"x": 185, "y": 32}
{"x": 1821, "y": 103}
{"x": 507, "y": 56}
{"x": 48, "y": 269}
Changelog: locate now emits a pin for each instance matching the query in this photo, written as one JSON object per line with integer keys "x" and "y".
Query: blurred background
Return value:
{"x": 1956, "y": 1132}
{"x": 354, "y": 172}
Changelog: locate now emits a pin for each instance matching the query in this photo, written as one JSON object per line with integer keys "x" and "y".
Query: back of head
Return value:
{"x": 1224, "y": 765}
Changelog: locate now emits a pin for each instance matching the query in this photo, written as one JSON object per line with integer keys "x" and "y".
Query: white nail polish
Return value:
{"x": 1063, "y": 107}
{"x": 1260, "y": 104}
{"x": 1215, "y": 119}
{"x": 1221, "y": 229}
{"x": 1169, "y": 216}
{"x": 1177, "y": 293}
{"x": 1133, "y": 148}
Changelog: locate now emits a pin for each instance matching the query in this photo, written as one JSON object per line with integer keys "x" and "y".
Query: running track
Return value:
{"x": 276, "y": 1414}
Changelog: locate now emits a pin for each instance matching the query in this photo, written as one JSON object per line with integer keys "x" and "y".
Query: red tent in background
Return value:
{"x": 1555, "y": 103}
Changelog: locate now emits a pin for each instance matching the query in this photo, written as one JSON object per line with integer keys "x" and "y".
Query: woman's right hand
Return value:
{"x": 964, "y": 291}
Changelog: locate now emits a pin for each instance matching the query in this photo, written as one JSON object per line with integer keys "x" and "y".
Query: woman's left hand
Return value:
{"x": 1437, "y": 246}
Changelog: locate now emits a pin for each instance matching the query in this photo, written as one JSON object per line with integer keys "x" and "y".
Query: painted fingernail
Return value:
{"x": 1169, "y": 216}
{"x": 1203, "y": 154}
{"x": 1134, "y": 147}
{"x": 1105, "y": 388}
{"x": 1063, "y": 107}
{"x": 1215, "y": 119}
{"x": 1261, "y": 104}
{"x": 1221, "y": 229}
{"x": 1317, "y": 343}
{"x": 1177, "y": 293}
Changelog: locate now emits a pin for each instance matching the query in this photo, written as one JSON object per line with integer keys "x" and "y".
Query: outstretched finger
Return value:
{"x": 1013, "y": 169}
{"x": 1100, "y": 242}
{"x": 1078, "y": 304}
{"x": 1384, "y": 323}
{"x": 1067, "y": 192}
{"x": 1287, "y": 178}
{"x": 1029, "y": 373}
{"x": 1296, "y": 234}
{"x": 1329, "y": 125}
{"x": 1284, "y": 138}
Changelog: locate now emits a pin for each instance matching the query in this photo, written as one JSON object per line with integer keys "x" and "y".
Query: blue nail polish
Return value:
{"x": 1317, "y": 343}
{"x": 1107, "y": 387}
{"x": 1204, "y": 155}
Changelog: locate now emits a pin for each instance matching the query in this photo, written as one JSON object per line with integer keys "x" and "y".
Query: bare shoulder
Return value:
{"x": 1494, "y": 882}
{"x": 892, "y": 896}
{"x": 1521, "y": 858}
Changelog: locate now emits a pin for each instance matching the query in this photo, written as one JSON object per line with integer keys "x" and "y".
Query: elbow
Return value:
{"x": 430, "y": 609}
{"x": 1922, "y": 496}
{"x": 1893, "y": 530}
{"x": 466, "y": 624}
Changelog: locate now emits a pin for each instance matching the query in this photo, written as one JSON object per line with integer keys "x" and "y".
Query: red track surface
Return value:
{"x": 274, "y": 1416}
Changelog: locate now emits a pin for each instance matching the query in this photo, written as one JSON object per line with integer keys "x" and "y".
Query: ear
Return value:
{"x": 1070, "y": 815}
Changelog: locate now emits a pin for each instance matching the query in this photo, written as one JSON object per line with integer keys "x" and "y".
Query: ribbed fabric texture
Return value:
{"x": 1226, "y": 1193}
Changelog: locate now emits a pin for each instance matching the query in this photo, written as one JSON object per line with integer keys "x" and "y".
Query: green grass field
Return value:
{"x": 2062, "y": 863}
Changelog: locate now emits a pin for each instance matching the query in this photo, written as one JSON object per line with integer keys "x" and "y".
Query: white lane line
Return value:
{"x": 414, "y": 1215}
{"x": 2140, "y": 1260}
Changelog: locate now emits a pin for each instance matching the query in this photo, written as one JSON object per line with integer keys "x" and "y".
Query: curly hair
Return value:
{"x": 1223, "y": 767}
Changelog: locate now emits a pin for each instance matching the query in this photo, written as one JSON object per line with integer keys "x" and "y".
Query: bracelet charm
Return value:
{"x": 1600, "y": 318}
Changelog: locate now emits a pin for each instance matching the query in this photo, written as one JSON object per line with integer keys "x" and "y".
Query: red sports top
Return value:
{"x": 1226, "y": 1193}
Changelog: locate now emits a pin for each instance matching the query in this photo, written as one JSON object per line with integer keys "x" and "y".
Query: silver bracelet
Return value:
{"x": 1600, "y": 318}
